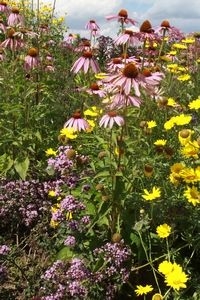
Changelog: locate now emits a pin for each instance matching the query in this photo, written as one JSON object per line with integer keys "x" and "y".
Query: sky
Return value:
{"x": 183, "y": 14}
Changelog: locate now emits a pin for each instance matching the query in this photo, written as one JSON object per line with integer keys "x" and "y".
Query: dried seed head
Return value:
{"x": 146, "y": 27}
{"x": 143, "y": 124}
{"x": 4, "y": 3}
{"x": 123, "y": 13}
{"x": 102, "y": 154}
{"x": 76, "y": 114}
{"x": 33, "y": 52}
{"x": 146, "y": 72}
{"x": 92, "y": 21}
{"x": 70, "y": 154}
{"x": 129, "y": 32}
{"x": 130, "y": 71}
{"x": 165, "y": 23}
{"x": 116, "y": 238}
{"x": 148, "y": 170}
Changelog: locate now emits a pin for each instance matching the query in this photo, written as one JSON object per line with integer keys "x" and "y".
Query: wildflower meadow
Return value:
{"x": 99, "y": 158}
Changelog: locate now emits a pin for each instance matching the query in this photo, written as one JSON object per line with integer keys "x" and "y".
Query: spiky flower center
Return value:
{"x": 33, "y": 52}
{"x": 3, "y": 3}
{"x": 94, "y": 86}
{"x": 15, "y": 10}
{"x": 116, "y": 60}
{"x": 11, "y": 33}
{"x": 165, "y": 23}
{"x": 146, "y": 72}
{"x": 87, "y": 54}
{"x": 148, "y": 168}
{"x": 129, "y": 32}
{"x": 76, "y": 114}
{"x": 130, "y": 71}
{"x": 146, "y": 27}
{"x": 112, "y": 114}
{"x": 123, "y": 13}
{"x": 92, "y": 21}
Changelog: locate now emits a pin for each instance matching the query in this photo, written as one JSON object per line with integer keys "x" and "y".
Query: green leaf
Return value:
{"x": 65, "y": 253}
{"x": 21, "y": 167}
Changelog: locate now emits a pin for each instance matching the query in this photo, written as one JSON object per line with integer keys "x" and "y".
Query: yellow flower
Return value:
{"x": 188, "y": 175}
{"x": 151, "y": 124}
{"x": 182, "y": 119}
{"x": 92, "y": 112}
{"x": 173, "y": 52}
{"x": 163, "y": 231}
{"x": 188, "y": 40}
{"x": 50, "y": 152}
{"x": 143, "y": 290}
{"x": 52, "y": 193}
{"x": 192, "y": 195}
{"x": 177, "y": 278}
{"x": 152, "y": 195}
{"x": 179, "y": 46}
{"x": 169, "y": 124}
{"x": 184, "y": 136}
{"x": 195, "y": 104}
{"x": 175, "y": 176}
{"x": 91, "y": 125}
{"x": 101, "y": 75}
{"x": 191, "y": 149}
{"x": 160, "y": 143}
{"x": 184, "y": 77}
{"x": 68, "y": 133}
{"x": 165, "y": 267}
{"x": 171, "y": 102}
{"x": 157, "y": 296}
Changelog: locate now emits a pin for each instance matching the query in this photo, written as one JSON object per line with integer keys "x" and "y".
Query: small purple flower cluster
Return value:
{"x": 4, "y": 249}
{"x": 71, "y": 280}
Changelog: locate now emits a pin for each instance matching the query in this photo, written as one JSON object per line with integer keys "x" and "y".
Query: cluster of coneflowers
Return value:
{"x": 127, "y": 79}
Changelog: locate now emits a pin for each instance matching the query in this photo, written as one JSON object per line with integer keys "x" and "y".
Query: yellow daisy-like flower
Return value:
{"x": 50, "y": 152}
{"x": 192, "y": 195}
{"x": 173, "y": 52}
{"x": 177, "y": 278}
{"x": 163, "y": 231}
{"x": 188, "y": 40}
{"x": 182, "y": 119}
{"x": 92, "y": 112}
{"x": 52, "y": 193}
{"x": 171, "y": 102}
{"x": 175, "y": 176}
{"x": 149, "y": 196}
{"x": 195, "y": 104}
{"x": 151, "y": 124}
{"x": 165, "y": 267}
{"x": 169, "y": 124}
{"x": 69, "y": 133}
{"x": 191, "y": 149}
{"x": 179, "y": 46}
{"x": 91, "y": 125}
{"x": 184, "y": 77}
{"x": 188, "y": 175}
{"x": 143, "y": 290}
{"x": 101, "y": 75}
{"x": 160, "y": 143}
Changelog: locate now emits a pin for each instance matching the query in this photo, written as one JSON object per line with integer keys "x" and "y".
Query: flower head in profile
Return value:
{"x": 122, "y": 17}
{"x": 77, "y": 122}
{"x": 160, "y": 143}
{"x": 163, "y": 231}
{"x": 92, "y": 25}
{"x": 32, "y": 59}
{"x": 149, "y": 196}
{"x": 157, "y": 296}
{"x": 109, "y": 119}
{"x": 151, "y": 124}
{"x": 85, "y": 62}
{"x": 128, "y": 37}
{"x": 143, "y": 290}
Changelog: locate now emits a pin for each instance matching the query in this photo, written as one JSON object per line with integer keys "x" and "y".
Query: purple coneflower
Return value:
{"x": 4, "y": 7}
{"x": 77, "y": 122}
{"x": 152, "y": 78}
{"x": 84, "y": 45}
{"x": 95, "y": 90}
{"x": 2, "y": 26}
{"x": 92, "y": 25}
{"x": 129, "y": 77}
{"x": 110, "y": 118}
{"x": 12, "y": 42}
{"x": 15, "y": 18}
{"x": 129, "y": 37}
{"x": 85, "y": 62}
{"x": 146, "y": 32}
{"x": 121, "y": 100}
{"x": 32, "y": 59}
{"x": 122, "y": 17}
